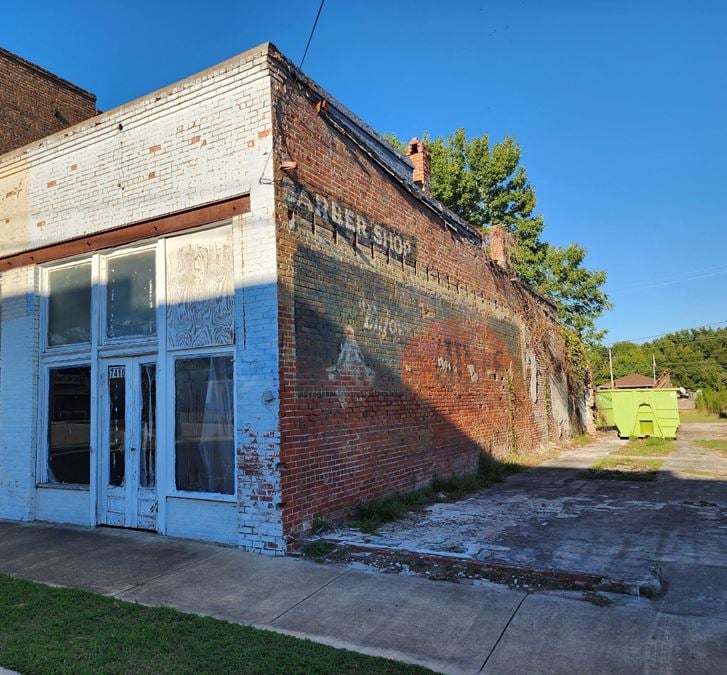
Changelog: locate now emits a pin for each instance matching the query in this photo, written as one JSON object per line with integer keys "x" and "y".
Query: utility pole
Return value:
{"x": 653, "y": 365}
{"x": 610, "y": 366}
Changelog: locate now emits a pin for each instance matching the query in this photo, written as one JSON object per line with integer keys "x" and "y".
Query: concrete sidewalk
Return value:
{"x": 448, "y": 627}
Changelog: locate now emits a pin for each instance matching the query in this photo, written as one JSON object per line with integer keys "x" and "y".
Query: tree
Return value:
{"x": 487, "y": 184}
{"x": 576, "y": 290}
{"x": 696, "y": 358}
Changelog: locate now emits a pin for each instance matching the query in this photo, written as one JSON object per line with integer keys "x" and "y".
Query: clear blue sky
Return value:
{"x": 620, "y": 107}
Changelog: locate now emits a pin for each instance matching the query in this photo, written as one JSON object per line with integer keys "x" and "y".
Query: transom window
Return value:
{"x": 69, "y": 304}
{"x": 130, "y": 295}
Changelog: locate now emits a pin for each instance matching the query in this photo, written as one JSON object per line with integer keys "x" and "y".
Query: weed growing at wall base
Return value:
{"x": 370, "y": 516}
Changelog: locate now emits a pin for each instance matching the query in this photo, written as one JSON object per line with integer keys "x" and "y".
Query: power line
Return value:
{"x": 688, "y": 276}
{"x": 300, "y": 65}
{"x": 678, "y": 330}
{"x": 310, "y": 37}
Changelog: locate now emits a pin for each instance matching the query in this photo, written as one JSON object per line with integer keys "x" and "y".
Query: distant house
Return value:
{"x": 633, "y": 381}
{"x": 636, "y": 381}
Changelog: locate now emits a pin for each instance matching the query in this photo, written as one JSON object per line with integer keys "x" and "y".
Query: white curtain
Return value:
{"x": 215, "y": 442}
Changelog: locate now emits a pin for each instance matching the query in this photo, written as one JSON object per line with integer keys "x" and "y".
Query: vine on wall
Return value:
{"x": 576, "y": 357}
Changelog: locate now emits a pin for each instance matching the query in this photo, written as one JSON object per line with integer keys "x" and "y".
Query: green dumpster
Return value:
{"x": 637, "y": 413}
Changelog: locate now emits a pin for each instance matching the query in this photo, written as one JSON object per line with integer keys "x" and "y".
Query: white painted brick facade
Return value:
{"x": 202, "y": 140}
{"x": 205, "y": 139}
{"x": 18, "y": 393}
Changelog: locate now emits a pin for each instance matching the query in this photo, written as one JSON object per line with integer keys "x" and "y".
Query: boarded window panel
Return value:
{"x": 204, "y": 425}
{"x": 69, "y": 305}
{"x": 131, "y": 304}
{"x": 69, "y": 425}
{"x": 200, "y": 289}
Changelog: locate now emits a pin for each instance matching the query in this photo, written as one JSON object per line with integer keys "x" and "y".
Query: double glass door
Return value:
{"x": 128, "y": 494}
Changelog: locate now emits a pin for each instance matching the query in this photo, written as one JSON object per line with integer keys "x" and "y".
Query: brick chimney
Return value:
{"x": 500, "y": 243}
{"x": 417, "y": 152}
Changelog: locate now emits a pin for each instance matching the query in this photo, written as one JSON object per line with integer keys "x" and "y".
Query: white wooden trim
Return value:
{"x": 94, "y": 468}
{"x": 164, "y": 448}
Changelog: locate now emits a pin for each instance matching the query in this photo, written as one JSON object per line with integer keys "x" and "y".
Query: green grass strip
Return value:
{"x": 646, "y": 447}
{"x": 718, "y": 444}
{"x": 697, "y": 416}
{"x": 618, "y": 468}
{"x": 60, "y": 630}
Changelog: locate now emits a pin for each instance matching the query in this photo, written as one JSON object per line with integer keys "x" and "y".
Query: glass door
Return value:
{"x": 128, "y": 495}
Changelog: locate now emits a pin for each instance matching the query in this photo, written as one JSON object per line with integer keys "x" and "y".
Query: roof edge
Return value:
{"x": 381, "y": 150}
{"x": 47, "y": 74}
{"x": 261, "y": 49}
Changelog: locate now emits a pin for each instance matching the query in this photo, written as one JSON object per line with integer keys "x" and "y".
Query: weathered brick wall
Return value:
{"x": 404, "y": 351}
{"x": 35, "y": 103}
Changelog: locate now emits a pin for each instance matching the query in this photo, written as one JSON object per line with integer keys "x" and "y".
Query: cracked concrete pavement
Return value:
{"x": 452, "y": 628}
{"x": 449, "y": 627}
{"x": 551, "y": 518}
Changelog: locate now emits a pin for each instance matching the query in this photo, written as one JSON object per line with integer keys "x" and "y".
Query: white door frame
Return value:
{"x": 129, "y": 504}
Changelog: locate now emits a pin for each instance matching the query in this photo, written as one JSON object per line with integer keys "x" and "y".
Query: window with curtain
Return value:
{"x": 204, "y": 424}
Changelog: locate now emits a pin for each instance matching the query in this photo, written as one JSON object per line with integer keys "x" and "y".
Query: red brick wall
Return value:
{"x": 29, "y": 100}
{"x": 403, "y": 348}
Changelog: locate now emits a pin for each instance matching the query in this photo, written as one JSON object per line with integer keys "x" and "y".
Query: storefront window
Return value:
{"x": 204, "y": 424}
{"x": 69, "y": 425}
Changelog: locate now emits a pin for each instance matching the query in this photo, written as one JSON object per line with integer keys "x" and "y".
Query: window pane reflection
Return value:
{"x": 147, "y": 470}
{"x": 69, "y": 305}
{"x": 69, "y": 425}
{"x": 131, "y": 306}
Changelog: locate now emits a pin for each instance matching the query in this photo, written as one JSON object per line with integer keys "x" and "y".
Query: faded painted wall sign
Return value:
{"x": 383, "y": 323}
{"x": 391, "y": 345}
{"x": 351, "y": 376}
{"x": 355, "y": 227}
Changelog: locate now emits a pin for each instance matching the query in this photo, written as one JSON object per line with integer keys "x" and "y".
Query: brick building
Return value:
{"x": 230, "y": 306}
{"x": 35, "y": 103}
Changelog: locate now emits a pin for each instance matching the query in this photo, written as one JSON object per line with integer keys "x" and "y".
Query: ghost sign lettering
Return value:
{"x": 355, "y": 227}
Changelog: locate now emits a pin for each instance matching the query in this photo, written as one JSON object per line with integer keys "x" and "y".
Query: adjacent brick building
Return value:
{"x": 35, "y": 103}
{"x": 230, "y": 306}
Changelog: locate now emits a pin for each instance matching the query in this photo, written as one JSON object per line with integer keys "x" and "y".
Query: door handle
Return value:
{"x": 133, "y": 449}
